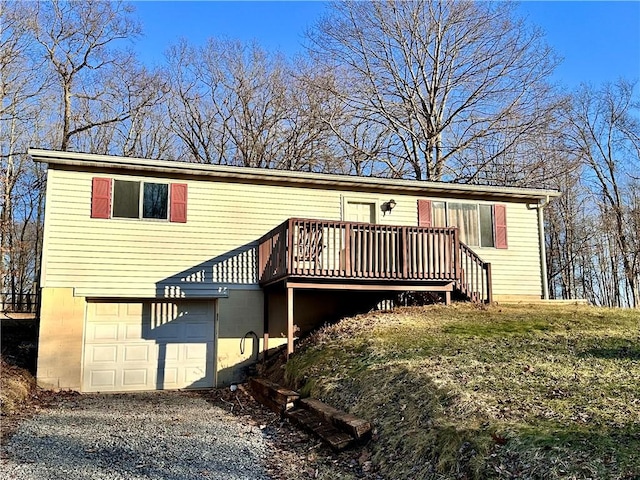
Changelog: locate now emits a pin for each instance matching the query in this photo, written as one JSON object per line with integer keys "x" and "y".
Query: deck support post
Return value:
{"x": 289, "y": 321}
{"x": 265, "y": 334}
{"x": 447, "y": 298}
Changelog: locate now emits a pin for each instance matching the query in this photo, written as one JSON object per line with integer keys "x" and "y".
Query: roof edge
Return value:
{"x": 89, "y": 160}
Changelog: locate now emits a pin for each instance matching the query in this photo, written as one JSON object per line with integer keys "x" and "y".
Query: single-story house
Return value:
{"x": 167, "y": 275}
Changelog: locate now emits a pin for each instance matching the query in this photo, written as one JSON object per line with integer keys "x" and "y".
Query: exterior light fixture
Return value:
{"x": 388, "y": 206}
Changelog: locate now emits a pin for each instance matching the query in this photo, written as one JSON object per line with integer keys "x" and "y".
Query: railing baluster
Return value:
{"x": 19, "y": 302}
{"x": 369, "y": 242}
{"x": 381, "y": 262}
{"x": 447, "y": 254}
{"x": 365, "y": 250}
{"x": 374, "y": 252}
{"x": 439, "y": 254}
{"x": 395, "y": 252}
{"x": 413, "y": 270}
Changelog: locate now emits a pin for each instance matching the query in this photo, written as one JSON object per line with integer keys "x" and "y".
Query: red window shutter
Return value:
{"x": 500, "y": 225}
{"x": 101, "y": 197}
{"x": 424, "y": 213}
{"x": 178, "y": 202}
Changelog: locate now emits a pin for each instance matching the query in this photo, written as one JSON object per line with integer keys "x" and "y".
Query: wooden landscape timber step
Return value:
{"x": 358, "y": 428}
{"x": 338, "y": 429}
{"x": 275, "y": 397}
{"x": 314, "y": 423}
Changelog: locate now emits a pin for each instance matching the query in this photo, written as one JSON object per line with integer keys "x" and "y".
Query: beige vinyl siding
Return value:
{"x": 127, "y": 257}
{"x": 516, "y": 270}
{"x": 216, "y": 247}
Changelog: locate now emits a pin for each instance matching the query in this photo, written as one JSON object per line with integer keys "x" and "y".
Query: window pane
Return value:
{"x": 126, "y": 199}
{"x": 486, "y": 226}
{"x": 465, "y": 217}
{"x": 154, "y": 202}
{"x": 439, "y": 214}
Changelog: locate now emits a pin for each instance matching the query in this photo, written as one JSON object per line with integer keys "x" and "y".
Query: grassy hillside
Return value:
{"x": 500, "y": 392}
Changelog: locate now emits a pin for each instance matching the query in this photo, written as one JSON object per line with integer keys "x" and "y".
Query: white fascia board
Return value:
{"x": 262, "y": 175}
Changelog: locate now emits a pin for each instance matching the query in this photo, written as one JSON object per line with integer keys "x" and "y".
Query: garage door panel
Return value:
{"x": 194, "y": 375}
{"x": 194, "y": 351}
{"x": 103, "y": 332}
{"x": 132, "y": 331}
{"x": 137, "y": 353}
{"x": 172, "y": 352}
{"x": 197, "y": 332}
{"x": 170, "y": 376}
{"x": 197, "y": 381}
{"x": 105, "y": 379}
{"x": 103, "y": 353}
{"x": 132, "y": 309}
{"x": 165, "y": 345}
{"x": 170, "y": 332}
{"x": 106, "y": 309}
{"x": 135, "y": 378}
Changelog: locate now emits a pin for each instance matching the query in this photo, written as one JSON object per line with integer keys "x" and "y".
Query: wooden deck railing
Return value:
{"x": 361, "y": 251}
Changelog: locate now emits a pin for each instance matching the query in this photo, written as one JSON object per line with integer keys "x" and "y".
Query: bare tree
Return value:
{"x": 357, "y": 144}
{"x": 306, "y": 139}
{"x": 79, "y": 40}
{"x": 63, "y": 85}
{"x": 604, "y": 134}
{"x": 22, "y": 83}
{"x": 446, "y": 78}
{"x": 144, "y": 130}
{"x": 229, "y": 102}
{"x": 192, "y": 107}
{"x": 570, "y": 236}
{"x": 234, "y": 103}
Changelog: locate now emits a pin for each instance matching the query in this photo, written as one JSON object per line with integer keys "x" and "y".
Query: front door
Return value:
{"x": 361, "y": 248}
{"x": 364, "y": 212}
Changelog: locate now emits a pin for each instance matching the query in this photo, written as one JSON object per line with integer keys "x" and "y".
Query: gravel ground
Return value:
{"x": 157, "y": 435}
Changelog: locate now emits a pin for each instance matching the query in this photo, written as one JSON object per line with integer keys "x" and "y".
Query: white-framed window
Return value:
{"x": 479, "y": 224}
{"x": 133, "y": 199}
{"x": 138, "y": 199}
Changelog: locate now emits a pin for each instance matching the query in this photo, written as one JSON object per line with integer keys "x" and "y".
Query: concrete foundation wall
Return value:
{"x": 60, "y": 339}
{"x": 238, "y": 316}
{"x": 516, "y": 298}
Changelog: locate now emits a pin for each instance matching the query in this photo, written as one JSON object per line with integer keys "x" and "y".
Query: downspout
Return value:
{"x": 543, "y": 249}
{"x": 216, "y": 327}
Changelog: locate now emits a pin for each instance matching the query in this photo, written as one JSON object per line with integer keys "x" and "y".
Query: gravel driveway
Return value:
{"x": 156, "y": 435}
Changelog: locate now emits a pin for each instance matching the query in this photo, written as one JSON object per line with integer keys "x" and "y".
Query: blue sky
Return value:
{"x": 599, "y": 41}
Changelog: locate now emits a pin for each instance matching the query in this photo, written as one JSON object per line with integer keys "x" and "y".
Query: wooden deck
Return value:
{"x": 322, "y": 254}
{"x": 337, "y": 254}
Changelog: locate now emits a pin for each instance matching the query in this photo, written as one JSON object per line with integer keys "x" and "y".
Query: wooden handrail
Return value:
{"x": 474, "y": 279}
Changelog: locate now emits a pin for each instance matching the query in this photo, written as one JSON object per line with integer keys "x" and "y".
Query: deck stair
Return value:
{"x": 272, "y": 395}
{"x": 336, "y": 428}
{"x": 473, "y": 275}
{"x": 315, "y": 424}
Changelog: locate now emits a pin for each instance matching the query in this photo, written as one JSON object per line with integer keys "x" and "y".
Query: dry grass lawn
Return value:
{"x": 499, "y": 392}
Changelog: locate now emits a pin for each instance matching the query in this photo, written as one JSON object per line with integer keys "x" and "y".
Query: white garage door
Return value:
{"x": 148, "y": 346}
